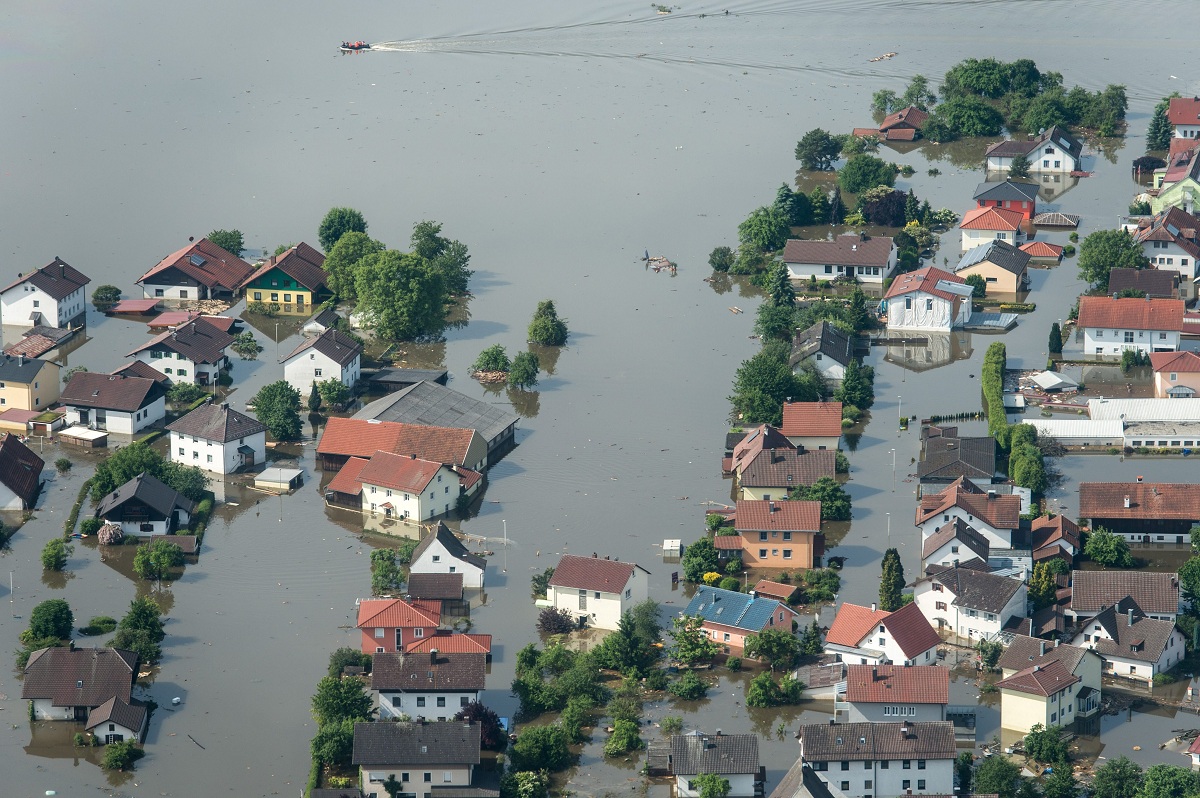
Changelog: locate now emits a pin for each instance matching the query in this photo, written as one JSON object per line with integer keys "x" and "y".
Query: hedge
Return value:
{"x": 992, "y": 380}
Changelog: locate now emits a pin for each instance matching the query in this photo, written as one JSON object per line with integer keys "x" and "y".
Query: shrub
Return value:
{"x": 731, "y": 583}
{"x": 1069, "y": 251}
{"x": 547, "y": 328}
{"x": 121, "y": 756}
{"x": 106, "y": 295}
{"x": 656, "y": 679}
{"x": 688, "y": 687}
{"x": 62, "y": 465}
{"x": 99, "y": 625}
{"x": 261, "y": 309}
{"x": 91, "y": 526}
{"x": 54, "y": 555}
{"x": 671, "y": 724}
{"x": 733, "y": 566}
{"x": 734, "y": 663}
{"x": 623, "y": 739}
{"x": 541, "y": 747}
{"x": 540, "y": 583}
{"x": 555, "y": 621}
{"x": 493, "y": 358}
{"x": 721, "y": 259}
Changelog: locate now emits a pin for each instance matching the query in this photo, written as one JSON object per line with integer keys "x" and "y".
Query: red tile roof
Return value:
{"x": 812, "y": 419}
{"x": 1040, "y": 680}
{"x": 1186, "y": 362}
{"x": 991, "y": 218}
{"x": 776, "y": 590}
{"x": 852, "y": 623}
{"x": 172, "y": 318}
{"x": 302, "y": 263}
{"x": 1180, "y": 147}
{"x": 1000, "y": 511}
{"x": 1147, "y": 500}
{"x": 217, "y": 267}
{"x": 1130, "y": 313}
{"x": 845, "y": 250}
{"x": 451, "y": 643}
{"x": 1040, "y": 249}
{"x": 758, "y": 439}
{"x": 31, "y": 346}
{"x": 346, "y": 480}
{"x": 361, "y": 438}
{"x": 79, "y": 677}
{"x": 911, "y": 116}
{"x": 901, "y": 134}
{"x": 911, "y": 630}
{"x": 925, "y": 280}
{"x": 397, "y": 613}
{"x": 881, "y": 684}
{"x": 1184, "y": 111}
{"x": 592, "y": 573}
{"x": 398, "y": 472}
{"x": 793, "y": 516}
{"x": 727, "y": 542}
{"x": 1046, "y": 530}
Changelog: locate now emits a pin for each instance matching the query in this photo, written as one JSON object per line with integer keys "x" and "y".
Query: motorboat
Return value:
{"x": 353, "y": 47}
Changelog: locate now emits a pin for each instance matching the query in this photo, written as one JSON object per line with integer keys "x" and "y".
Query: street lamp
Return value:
{"x": 889, "y": 525}
{"x": 276, "y": 341}
{"x": 893, "y": 451}
{"x": 899, "y": 403}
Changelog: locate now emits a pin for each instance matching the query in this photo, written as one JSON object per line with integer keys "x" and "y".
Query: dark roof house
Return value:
{"x": 593, "y": 573}
{"x": 948, "y": 458}
{"x": 302, "y": 263}
{"x": 1153, "y": 593}
{"x": 723, "y": 754}
{"x": 217, "y": 422}
{"x": 976, "y": 590}
{"x": 203, "y": 263}
{"x": 431, "y": 404}
{"x": 1154, "y": 283}
{"x": 451, "y": 544}
{"x": 148, "y": 492}
{"x": 197, "y": 341}
{"x": 1007, "y": 191}
{"x": 851, "y": 249}
{"x": 1000, "y": 253}
{"x": 970, "y": 541}
{"x": 333, "y": 344}
{"x": 416, "y": 745}
{"x": 56, "y": 278}
{"x": 822, "y": 339}
{"x": 431, "y": 672}
{"x": 856, "y": 742}
{"x": 435, "y": 587}
{"x": 79, "y": 677}
{"x": 91, "y": 389}
{"x": 20, "y": 470}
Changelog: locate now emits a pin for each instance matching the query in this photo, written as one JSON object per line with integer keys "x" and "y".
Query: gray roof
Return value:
{"x": 333, "y": 344}
{"x": 1142, "y": 640}
{"x": 723, "y": 754}
{"x": 975, "y": 589}
{"x": 19, "y": 369}
{"x": 1156, "y": 283}
{"x": 434, "y": 405}
{"x": 1001, "y": 253}
{"x": 435, "y": 586}
{"x": 960, "y": 530}
{"x": 214, "y": 422}
{"x": 1154, "y": 592}
{"x": 130, "y": 715}
{"x": 1063, "y": 139}
{"x": 89, "y": 389}
{"x": 951, "y": 458}
{"x": 428, "y": 672}
{"x": 1025, "y": 652}
{"x": 409, "y": 376}
{"x": 150, "y": 492}
{"x": 857, "y": 742}
{"x": 787, "y": 468}
{"x": 416, "y": 745}
{"x": 1009, "y": 190}
{"x": 799, "y": 782}
{"x": 453, "y": 546}
{"x": 825, "y": 338}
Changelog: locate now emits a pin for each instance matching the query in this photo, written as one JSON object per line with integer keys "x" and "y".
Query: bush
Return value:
{"x": 656, "y": 679}
{"x": 344, "y": 656}
{"x": 555, "y": 621}
{"x": 1069, "y": 250}
{"x": 721, "y": 259}
{"x": 99, "y": 625}
{"x": 688, "y": 687}
{"x": 91, "y": 526}
{"x": 734, "y": 664}
{"x": 731, "y": 583}
{"x": 121, "y": 756}
{"x": 493, "y": 358}
{"x": 62, "y": 465}
{"x": 156, "y": 560}
{"x": 261, "y": 309}
{"x": 623, "y": 739}
{"x": 862, "y": 172}
{"x": 547, "y": 328}
{"x": 54, "y": 554}
{"x": 106, "y": 295}
{"x": 671, "y": 724}
{"x": 540, "y": 583}
{"x": 541, "y": 747}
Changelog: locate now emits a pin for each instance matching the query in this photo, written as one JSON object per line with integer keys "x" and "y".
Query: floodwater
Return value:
{"x": 558, "y": 143}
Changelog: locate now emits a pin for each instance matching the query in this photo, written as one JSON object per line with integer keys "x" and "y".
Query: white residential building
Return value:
{"x": 434, "y": 686}
{"x": 991, "y": 514}
{"x": 1110, "y": 325}
{"x": 193, "y": 352}
{"x": 1183, "y": 114}
{"x": 826, "y": 347}
{"x": 124, "y": 405}
{"x": 1171, "y": 240}
{"x": 870, "y": 636}
{"x": 928, "y": 299}
{"x": 216, "y": 438}
{"x": 442, "y": 553}
{"x": 1055, "y": 151}
{"x": 863, "y": 760}
{"x": 52, "y": 296}
{"x": 597, "y": 590}
{"x": 857, "y": 256}
{"x": 1132, "y": 645}
{"x": 970, "y": 603}
{"x": 734, "y": 757}
{"x": 332, "y": 355}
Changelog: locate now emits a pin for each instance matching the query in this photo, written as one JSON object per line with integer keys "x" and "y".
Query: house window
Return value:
{"x": 210, "y": 458}
{"x": 845, "y": 786}
{"x": 379, "y": 633}
{"x": 787, "y": 554}
{"x": 316, "y": 372}
{"x": 1099, "y": 333}
{"x": 437, "y": 558}
{"x": 158, "y": 292}
{"x": 1128, "y": 336}
{"x": 463, "y": 701}
{"x": 908, "y": 303}
{"x": 441, "y": 701}
{"x": 287, "y": 297}
{"x": 1174, "y": 376}
{"x": 937, "y": 587}
{"x": 929, "y": 304}
{"x": 762, "y": 537}
{"x": 183, "y": 293}
{"x": 787, "y": 535}
{"x": 181, "y": 451}
{"x": 447, "y": 776}
{"x": 920, "y": 764}
{"x": 828, "y": 269}
{"x": 258, "y": 296}
{"x": 428, "y": 778}
{"x": 725, "y": 639}
{"x": 939, "y": 605}
{"x": 907, "y": 765}
{"x": 628, "y": 593}
{"x": 921, "y": 782}
{"x": 274, "y": 297}
{"x": 883, "y": 765}
{"x": 420, "y": 700}
{"x": 37, "y": 304}
{"x": 418, "y": 632}
{"x": 906, "y": 784}
{"x": 762, "y": 553}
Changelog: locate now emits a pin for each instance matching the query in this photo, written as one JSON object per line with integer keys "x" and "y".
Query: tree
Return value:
{"x": 339, "y": 699}
{"x": 630, "y": 648}
{"x": 1056, "y": 342}
{"x": 858, "y": 386}
{"x": 835, "y": 501}
{"x": 766, "y": 229}
{"x": 547, "y": 328}
{"x": 688, "y": 687}
{"x": 765, "y": 381}
{"x": 278, "y": 406}
{"x": 698, "y": 559}
{"x": 492, "y": 736}
{"x": 333, "y": 744}
{"x": 917, "y": 93}
{"x": 525, "y": 784}
{"x": 888, "y": 209}
{"x": 1168, "y": 781}
{"x": 862, "y": 172}
{"x": 811, "y": 644}
{"x": 818, "y": 200}
{"x": 184, "y": 393}
{"x": 997, "y": 775}
{"x": 1108, "y": 549}
{"x": 691, "y": 644}
{"x": 989, "y": 652}
{"x": 121, "y": 756}
{"x": 764, "y": 691}
{"x": 541, "y": 747}
{"x": 385, "y": 572}
{"x": 1043, "y": 585}
{"x": 494, "y": 358}
{"x": 818, "y": 150}
{"x": 779, "y": 286}
{"x": 1117, "y": 778}
{"x": 345, "y": 656}
{"x": 314, "y": 399}
{"x": 1027, "y": 467}
{"x": 721, "y": 259}
{"x": 837, "y": 208}
{"x": 623, "y": 739}
{"x": 156, "y": 560}
{"x": 555, "y": 621}
{"x": 337, "y": 223}
{"x": 1060, "y": 784}
{"x": 1019, "y": 168}
{"x": 962, "y": 117}
{"x": 891, "y": 583}
{"x": 777, "y": 647}
{"x": 401, "y": 296}
{"x": 55, "y": 553}
{"x": 1105, "y": 250}
{"x": 978, "y": 284}
{"x": 711, "y": 785}
{"x": 246, "y": 345}
{"x": 229, "y": 240}
{"x": 52, "y": 618}
{"x": 106, "y": 295}
{"x": 856, "y": 311}
{"x": 1046, "y": 744}
{"x": 912, "y": 208}
{"x": 334, "y": 392}
{"x": 884, "y": 100}
{"x": 343, "y": 260}
{"x": 141, "y": 630}
{"x": 1158, "y": 134}
{"x": 448, "y": 257}
{"x": 523, "y": 374}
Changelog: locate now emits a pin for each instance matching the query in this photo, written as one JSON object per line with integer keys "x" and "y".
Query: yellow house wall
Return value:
{"x": 1162, "y": 382}
{"x": 1005, "y": 281}
{"x": 1020, "y": 711}
{"x": 21, "y": 395}
{"x": 293, "y": 306}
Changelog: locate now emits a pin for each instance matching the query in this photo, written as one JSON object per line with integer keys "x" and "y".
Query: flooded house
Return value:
{"x": 928, "y": 299}
{"x": 440, "y": 552}
{"x": 887, "y": 693}
{"x": 813, "y": 425}
{"x": 597, "y": 591}
{"x": 826, "y": 347}
{"x": 857, "y": 256}
{"x": 1054, "y": 150}
{"x": 779, "y": 534}
{"x": 985, "y": 224}
{"x": 857, "y": 760}
{"x": 1003, "y": 267}
{"x": 401, "y": 487}
{"x": 387, "y": 626}
{"x": 973, "y": 604}
{"x": 146, "y": 506}
{"x": 344, "y": 438}
{"x": 730, "y": 617}
{"x": 432, "y": 686}
{"x": 124, "y": 405}
{"x": 195, "y": 352}
{"x": 1047, "y": 683}
{"x": 1112, "y": 325}
{"x": 20, "y": 474}
{"x": 216, "y": 438}
{"x": 27, "y": 383}
{"x": 731, "y": 756}
{"x": 1142, "y": 512}
{"x": 92, "y": 685}
{"x": 332, "y": 355}
{"x": 52, "y": 296}
{"x": 412, "y": 753}
{"x": 871, "y": 636}
{"x": 1157, "y": 595}
{"x": 200, "y": 270}
{"x": 1176, "y": 374}
{"x": 1131, "y": 644}
{"x": 295, "y": 280}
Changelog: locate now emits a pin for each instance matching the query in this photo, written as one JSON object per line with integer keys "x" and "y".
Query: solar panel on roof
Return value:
{"x": 197, "y": 260}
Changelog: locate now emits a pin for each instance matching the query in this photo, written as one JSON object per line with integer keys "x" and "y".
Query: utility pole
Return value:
{"x": 893, "y": 470}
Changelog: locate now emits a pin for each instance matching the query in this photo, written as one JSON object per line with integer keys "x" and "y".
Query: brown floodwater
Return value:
{"x": 559, "y": 143}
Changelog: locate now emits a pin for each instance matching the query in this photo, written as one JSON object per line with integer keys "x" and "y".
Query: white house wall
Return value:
{"x": 741, "y": 785}
{"x": 436, "y": 560}
{"x": 603, "y": 609}
{"x": 424, "y": 704}
{"x": 920, "y": 311}
{"x": 10, "y": 500}
{"x": 220, "y": 458}
{"x": 120, "y": 422}
{"x": 889, "y": 781}
{"x": 973, "y": 238}
{"x": 18, "y": 304}
{"x": 178, "y": 368}
{"x": 310, "y": 366}
{"x": 1169, "y": 256}
{"x": 1111, "y": 343}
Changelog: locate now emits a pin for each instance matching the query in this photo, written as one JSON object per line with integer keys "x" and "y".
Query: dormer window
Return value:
{"x": 79, "y": 684}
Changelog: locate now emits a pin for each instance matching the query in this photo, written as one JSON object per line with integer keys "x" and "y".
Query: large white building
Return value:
{"x": 332, "y": 355}
{"x": 193, "y": 352}
{"x": 857, "y": 256}
{"x": 1131, "y": 644}
{"x": 433, "y": 686}
{"x": 124, "y": 405}
{"x": 442, "y": 553}
{"x": 1054, "y": 151}
{"x": 972, "y": 604}
{"x": 215, "y": 438}
{"x": 864, "y": 760}
{"x": 1111, "y": 325}
{"x": 927, "y": 299}
{"x": 52, "y": 296}
{"x": 597, "y": 590}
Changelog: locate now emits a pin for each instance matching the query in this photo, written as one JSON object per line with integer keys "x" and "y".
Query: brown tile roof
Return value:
{"x": 950, "y": 458}
{"x": 787, "y": 468}
{"x": 90, "y": 389}
{"x": 592, "y": 573}
{"x": 911, "y": 116}
{"x": 214, "y": 422}
{"x": 991, "y": 218}
{"x": 852, "y": 623}
{"x": 977, "y": 590}
{"x": 723, "y": 754}
{"x": 398, "y": 472}
{"x": 130, "y": 715}
{"x": 302, "y": 263}
{"x": 911, "y": 630}
{"x": 138, "y": 368}
{"x": 1154, "y": 283}
{"x": 346, "y": 480}
{"x": 424, "y": 672}
{"x": 415, "y": 746}
{"x": 901, "y": 134}
{"x": 1040, "y": 249}
{"x": 1042, "y": 680}
{"x": 362, "y": 438}
{"x": 333, "y": 343}
{"x": 397, "y": 613}
{"x": 20, "y": 470}
{"x": 956, "y": 529}
{"x": 79, "y": 677}
{"x": 197, "y": 341}
{"x": 1142, "y": 640}
{"x": 727, "y": 542}
{"x": 878, "y": 684}
{"x": 1154, "y": 593}
{"x": 1025, "y": 652}
{"x": 1184, "y": 111}
{"x": 1182, "y": 362}
{"x": 1046, "y": 530}
{"x": 172, "y": 318}
{"x": 31, "y": 345}
{"x": 856, "y": 742}
{"x": 758, "y": 439}
{"x": 1130, "y": 313}
{"x": 792, "y": 516}
{"x": 451, "y": 544}
{"x": 776, "y": 590}
{"x": 450, "y": 643}
{"x": 925, "y": 280}
{"x": 435, "y": 586}
{"x": 1147, "y": 500}
{"x": 845, "y": 250}
{"x": 206, "y": 263}
{"x": 55, "y": 278}
{"x": 812, "y": 419}
{"x": 997, "y": 510}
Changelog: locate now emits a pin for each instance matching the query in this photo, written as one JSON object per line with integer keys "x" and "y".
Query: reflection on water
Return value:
{"x": 547, "y": 357}
{"x": 525, "y": 404}
{"x": 925, "y": 351}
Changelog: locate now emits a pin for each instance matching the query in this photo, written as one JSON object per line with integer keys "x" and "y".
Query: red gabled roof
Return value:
{"x": 812, "y": 419}
{"x": 1184, "y": 111}
{"x": 1131, "y": 313}
{"x": 445, "y": 642}
{"x": 991, "y": 218}
{"x": 879, "y": 684}
{"x": 852, "y": 623}
{"x": 727, "y": 542}
{"x": 911, "y": 116}
{"x": 1040, "y": 680}
{"x": 302, "y": 263}
{"x": 1046, "y": 530}
{"x": 397, "y": 613}
{"x": 776, "y": 590}
{"x": 911, "y": 631}
{"x": 398, "y": 472}
{"x": 1040, "y": 249}
{"x": 923, "y": 280}
{"x": 1186, "y": 362}
{"x": 218, "y": 268}
{"x": 592, "y": 573}
{"x": 793, "y": 516}
{"x": 359, "y": 437}
{"x": 1000, "y": 511}
{"x": 346, "y": 480}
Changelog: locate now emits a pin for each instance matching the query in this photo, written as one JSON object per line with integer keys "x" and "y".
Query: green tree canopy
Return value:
{"x": 1055, "y": 341}
{"x": 818, "y": 150}
{"x": 712, "y": 785}
{"x": 858, "y": 386}
{"x": 766, "y": 229}
{"x": 862, "y": 172}
{"x": 1169, "y": 781}
{"x": 891, "y": 583}
{"x": 127, "y": 462}
{"x": 818, "y": 201}
{"x": 961, "y": 117}
{"x": 244, "y": 344}
{"x": 698, "y": 559}
{"x": 52, "y": 618}
{"x": 106, "y": 295}
{"x": 691, "y": 644}
{"x": 55, "y": 553}
{"x": 386, "y": 576}
{"x": 835, "y": 501}
{"x": 333, "y": 744}
{"x": 448, "y": 257}
{"x": 1105, "y": 250}
{"x": 721, "y": 259}
{"x": 778, "y": 647}
{"x": 337, "y": 223}
{"x": 541, "y": 748}
{"x": 764, "y": 382}
{"x": 1117, "y": 778}
{"x": 228, "y": 240}
{"x": 779, "y": 286}
{"x": 339, "y": 699}
{"x": 998, "y": 775}
{"x": 401, "y": 296}
{"x": 1046, "y": 744}
{"x": 341, "y": 657}
{"x": 343, "y": 260}
{"x": 278, "y": 406}
{"x": 547, "y": 328}
{"x": 494, "y": 358}
{"x": 157, "y": 559}
{"x": 334, "y": 393}
{"x": 1158, "y": 134}
{"x": 523, "y": 374}
{"x": 1107, "y": 548}
{"x": 141, "y": 630}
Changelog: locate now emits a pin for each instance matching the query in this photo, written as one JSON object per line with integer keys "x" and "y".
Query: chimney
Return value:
{"x": 1130, "y": 615}
{"x": 1037, "y": 668}
{"x": 718, "y": 732}
{"x": 1056, "y": 642}
{"x": 772, "y": 506}
{"x": 1139, "y": 478}
{"x": 412, "y": 456}
{"x": 904, "y": 730}
{"x": 874, "y": 673}
{"x": 20, "y": 360}
{"x": 1127, "y": 501}
{"x": 991, "y": 495}
{"x": 874, "y": 606}
{"x": 1043, "y": 648}
{"x": 433, "y": 656}
{"x": 832, "y": 722}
